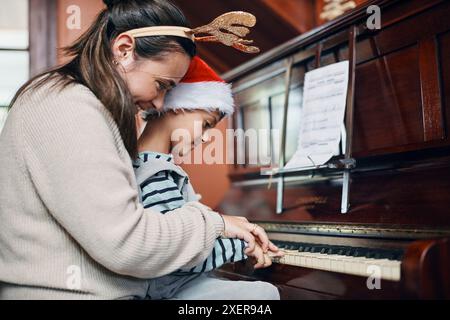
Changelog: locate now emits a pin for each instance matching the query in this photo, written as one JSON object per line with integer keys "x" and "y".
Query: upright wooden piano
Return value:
{"x": 384, "y": 202}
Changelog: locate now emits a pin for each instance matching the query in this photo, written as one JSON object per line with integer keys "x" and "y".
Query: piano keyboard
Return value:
{"x": 358, "y": 261}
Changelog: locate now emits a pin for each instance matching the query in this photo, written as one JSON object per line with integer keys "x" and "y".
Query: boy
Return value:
{"x": 202, "y": 98}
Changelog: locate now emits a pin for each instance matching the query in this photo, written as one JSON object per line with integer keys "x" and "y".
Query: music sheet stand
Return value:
{"x": 344, "y": 165}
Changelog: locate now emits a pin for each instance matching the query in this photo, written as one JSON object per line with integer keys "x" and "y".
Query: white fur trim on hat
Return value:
{"x": 208, "y": 95}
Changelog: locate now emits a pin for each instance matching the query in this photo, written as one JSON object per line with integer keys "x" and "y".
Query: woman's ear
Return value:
{"x": 123, "y": 50}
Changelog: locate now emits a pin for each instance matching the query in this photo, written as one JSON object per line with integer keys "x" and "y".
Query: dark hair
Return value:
{"x": 92, "y": 58}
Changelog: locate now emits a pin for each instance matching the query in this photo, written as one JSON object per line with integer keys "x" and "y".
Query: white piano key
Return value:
{"x": 390, "y": 270}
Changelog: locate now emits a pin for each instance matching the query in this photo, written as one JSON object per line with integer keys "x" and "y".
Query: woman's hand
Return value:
{"x": 241, "y": 228}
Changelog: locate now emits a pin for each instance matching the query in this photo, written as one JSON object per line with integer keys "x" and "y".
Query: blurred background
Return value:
{"x": 33, "y": 31}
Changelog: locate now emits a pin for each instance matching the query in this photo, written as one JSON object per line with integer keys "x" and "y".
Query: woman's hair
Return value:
{"x": 92, "y": 58}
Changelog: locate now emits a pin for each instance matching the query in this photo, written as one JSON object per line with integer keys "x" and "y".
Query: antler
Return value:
{"x": 235, "y": 23}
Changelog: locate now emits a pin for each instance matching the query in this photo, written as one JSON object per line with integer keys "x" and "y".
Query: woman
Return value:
{"x": 72, "y": 229}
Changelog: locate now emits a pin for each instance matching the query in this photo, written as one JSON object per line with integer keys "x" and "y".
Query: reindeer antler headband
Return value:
{"x": 236, "y": 23}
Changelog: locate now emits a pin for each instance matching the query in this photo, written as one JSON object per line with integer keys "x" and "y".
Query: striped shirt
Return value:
{"x": 164, "y": 187}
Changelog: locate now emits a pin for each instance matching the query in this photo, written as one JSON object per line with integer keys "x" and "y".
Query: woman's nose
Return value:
{"x": 158, "y": 103}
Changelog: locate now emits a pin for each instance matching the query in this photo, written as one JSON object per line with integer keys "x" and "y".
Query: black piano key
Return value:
{"x": 398, "y": 255}
{"x": 332, "y": 250}
{"x": 280, "y": 244}
{"x": 287, "y": 245}
{"x": 359, "y": 252}
{"x": 275, "y": 243}
{"x": 384, "y": 254}
{"x": 394, "y": 255}
{"x": 389, "y": 256}
{"x": 336, "y": 250}
{"x": 319, "y": 248}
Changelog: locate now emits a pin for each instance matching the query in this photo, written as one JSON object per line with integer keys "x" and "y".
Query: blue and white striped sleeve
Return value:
{"x": 161, "y": 193}
{"x": 224, "y": 251}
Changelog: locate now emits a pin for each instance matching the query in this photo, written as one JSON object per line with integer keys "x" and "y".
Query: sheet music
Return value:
{"x": 324, "y": 100}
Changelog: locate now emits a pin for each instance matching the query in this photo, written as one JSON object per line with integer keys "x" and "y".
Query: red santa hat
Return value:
{"x": 200, "y": 89}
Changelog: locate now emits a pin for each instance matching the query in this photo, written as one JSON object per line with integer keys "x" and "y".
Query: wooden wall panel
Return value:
{"x": 319, "y": 7}
{"x": 89, "y": 9}
{"x": 271, "y": 29}
{"x": 42, "y": 24}
{"x": 295, "y": 12}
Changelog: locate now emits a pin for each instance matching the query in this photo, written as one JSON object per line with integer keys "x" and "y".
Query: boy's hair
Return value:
{"x": 149, "y": 116}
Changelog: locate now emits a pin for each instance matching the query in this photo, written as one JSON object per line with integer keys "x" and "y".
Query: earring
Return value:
{"x": 115, "y": 62}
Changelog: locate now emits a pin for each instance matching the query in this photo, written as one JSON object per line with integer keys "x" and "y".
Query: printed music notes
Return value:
{"x": 324, "y": 100}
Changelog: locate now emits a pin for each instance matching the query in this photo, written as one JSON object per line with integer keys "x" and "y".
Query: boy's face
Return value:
{"x": 188, "y": 129}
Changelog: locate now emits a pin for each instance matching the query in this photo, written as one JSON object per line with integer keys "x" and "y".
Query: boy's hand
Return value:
{"x": 261, "y": 259}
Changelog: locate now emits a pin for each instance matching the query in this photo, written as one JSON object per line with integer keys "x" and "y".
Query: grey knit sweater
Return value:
{"x": 71, "y": 228}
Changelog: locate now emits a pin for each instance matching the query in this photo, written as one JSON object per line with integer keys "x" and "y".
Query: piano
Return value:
{"x": 376, "y": 225}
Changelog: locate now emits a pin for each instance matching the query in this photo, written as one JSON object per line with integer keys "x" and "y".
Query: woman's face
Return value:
{"x": 150, "y": 80}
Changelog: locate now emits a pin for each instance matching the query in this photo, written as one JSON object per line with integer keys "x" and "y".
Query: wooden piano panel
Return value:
{"x": 398, "y": 94}
{"x": 388, "y": 104}
{"x": 444, "y": 55}
{"x": 407, "y": 22}
{"x": 401, "y": 197}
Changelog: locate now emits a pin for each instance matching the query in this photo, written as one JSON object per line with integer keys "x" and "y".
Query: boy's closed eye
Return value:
{"x": 208, "y": 124}
{"x": 211, "y": 121}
